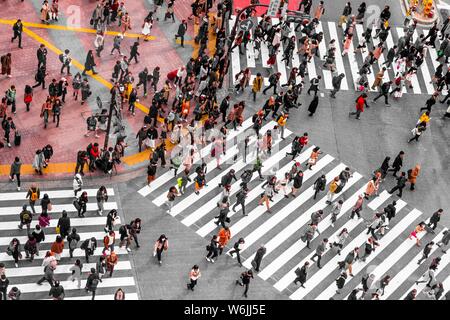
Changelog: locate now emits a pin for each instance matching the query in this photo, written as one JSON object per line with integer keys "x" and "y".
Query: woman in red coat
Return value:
{"x": 360, "y": 102}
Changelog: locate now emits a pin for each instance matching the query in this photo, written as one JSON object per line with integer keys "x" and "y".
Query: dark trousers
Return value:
{"x": 79, "y": 168}
{"x": 246, "y": 285}
{"x": 65, "y": 66}
{"x": 357, "y": 112}
{"x": 159, "y": 253}
{"x": 39, "y": 83}
{"x": 134, "y": 56}
{"x": 272, "y": 85}
{"x": 424, "y": 257}
{"x": 313, "y": 88}
{"x": 17, "y": 35}
{"x": 212, "y": 254}
{"x": 41, "y": 63}
{"x": 116, "y": 48}
{"x": 237, "y": 254}
{"x": 357, "y": 212}
{"x": 181, "y": 39}
{"x": 416, "y": 137}
{"x": 242, "y": 205}
{"x": 385, "y": 97}
{"x": 319, "y": 258}
{"x": 434, "y": 225}
{"x": 18, "y": 178}
{"x": 316, "y": 193}
{"x": 395, "y": 170}
{"x": 192, "y": 284}
{"x": 144, "y": 83}
{"x": 3, "y": 292}
{"x": 50, "y": 281}
{"x": 400, "y": 190}
{"x": 56, "y": 117}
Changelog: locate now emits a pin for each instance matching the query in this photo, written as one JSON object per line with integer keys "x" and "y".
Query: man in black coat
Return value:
{"x": 134, "y": 52}
{"x": 17, "y": 29}
{"x": 41, "y": 54}
{"x": 182, "y": 28}
{"x": 401, "y": 183}
{"x": 143, "y": 79}
{"x": 224, "y": 105}
{"x": 397, "y": 164}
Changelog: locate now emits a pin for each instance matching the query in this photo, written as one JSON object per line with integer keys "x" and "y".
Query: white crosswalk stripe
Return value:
{"x": 280, "y": 230}
{"x": 420, "y": 82}
{"x": 28, "y": 272}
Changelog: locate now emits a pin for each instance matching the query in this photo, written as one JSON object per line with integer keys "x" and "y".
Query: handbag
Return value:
{"x": 49, "y": 207}
{"x": 58, "y": 230}
{"x": 254, "y": 265}
{"x": 116, "y": 221}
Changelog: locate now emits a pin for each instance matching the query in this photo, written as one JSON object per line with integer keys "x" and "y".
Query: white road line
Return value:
{"x": 273, "y": 220}
{"x": 382, "y": 197}
{"x": 424, "y": 68}
{"x": 192, "y": 198}
{"x": 69, "y": 285}
{"x": 327, "y": 77}
{"x": 446, "y": 285}
{"x": 235, "y": 55}
{"x": 167, "y": 176}
{"x": 395, "y": 232}
{"x": 264, "y": 51}
{"x": 370, "y": 76}
{"x": 77, "y": 253}
{"x": 445, "y": 259}
{"x": 327, "y": 269}
{"x": 293, "y": 250}
{"x": 250, "y": 54}
{"x": 290, "y": 276}
{"x": 212, "y": 204}
{"x": 103, "y": 297}
{"x": 255, "y": 192}
{"x": 50, "y": 238}
{"x": 353, "y": 64}
{"x": 60, "y": 269}
{"x": 53, "y": 194}
{"x": 295, "y": 58}
{"x": 57, "y": 208}
{"x": 74, "y": 222}
{"x": 405, "y": 272}
{"x": 339, "y": 62}
{"x": 281, "y": 66}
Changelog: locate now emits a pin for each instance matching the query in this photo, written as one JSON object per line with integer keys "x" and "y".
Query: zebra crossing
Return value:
{"x": 25, "y": 276}
{"x": 280, "y": 231}
{"x": 348, "y": 64}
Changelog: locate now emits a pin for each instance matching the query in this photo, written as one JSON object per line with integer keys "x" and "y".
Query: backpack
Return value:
{"x": 85, "y": 244}
{"x": 34, "y": 195}
{"x": 94, "y": 283}
{"x": 254, "y": 117}
{"x": 26, "y": 217}
{"x": 91, "y": 122}
{"x": 88, "y": 149}
{"x": 73, "y": 243}
{"x": 123, "y": 230}
{"x": 246, "y": 176}
{"x": 61, "y": 57}
{"x": 409, "y": 173}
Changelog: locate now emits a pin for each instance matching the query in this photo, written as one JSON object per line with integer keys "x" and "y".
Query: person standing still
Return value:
{"x": 182, "y": 28}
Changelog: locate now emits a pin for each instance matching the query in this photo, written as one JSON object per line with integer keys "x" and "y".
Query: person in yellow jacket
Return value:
{"x": 332, "y": 189}
{"x": 257, "y": 85}
{"x": 425, "y": 117}
{"x": 282, "y": 119}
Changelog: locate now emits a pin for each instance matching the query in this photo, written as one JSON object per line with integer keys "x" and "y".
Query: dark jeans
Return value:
{"x": 144, "y": 83}
{"x": 319, "y": 257}
{"x": 192, "y": 284}
{"x": 64, "y": 66}
{"x": 357, "y": 212}
{"x": 56, "y": 117}
{"x": 242, "y": 205}
{"x": 181, "y": 38}
{"x": 18, "y": 178}
{"x": 385, "y": 97}
{"x": 159, "y": 253}
{"x": 357, "y": 112}
{"x": 17, "y": 35}
{"x": 434, "y": 225}
{"x": 50, "y": 281}
{"x": 79, "y": 168}
{"x": 237, "y": 254}
{"x": 272, "y": 85}
{"x": 39, "y": 83}
{"x": 213, "y": 253}
{"x": 3, "y": 292}
{"x": 400, "y": 190}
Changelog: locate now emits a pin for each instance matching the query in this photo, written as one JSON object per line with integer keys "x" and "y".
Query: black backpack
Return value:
{"x": 61, "y": 57}
{"x": 409, "y": 173}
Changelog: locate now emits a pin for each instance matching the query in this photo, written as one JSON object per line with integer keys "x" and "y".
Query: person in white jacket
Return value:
{"x": 77, "y": 183}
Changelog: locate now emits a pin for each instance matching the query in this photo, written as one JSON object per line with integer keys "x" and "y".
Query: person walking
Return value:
{"x": 319, "y": 185}
{"x": 418, "y": 229}
{"x": 57, "y": 291}
{"x": 111, "y": 261}
{"x": 89, "y": 245}
{"x": 256, "y": 262}
{"x": 384, "y": 91}
{"x": 336, "y": 82}
{"x": 92, "y": 282}
{"x": 320, "y": 250}
{"x": 212, "y": 249}
{"x": 313, "y": 105}
{"x": 238, "y": 246}
{"x": 73, "y": 238}
{"x": 257, "y": 85}
{"x": 335, "y": 211}
{"x": 77, "y": 183}
{"x": 401, "y": 183}
{"x": 357, "y": 207}
{"x": 76, "y": 272}
{"x": 134, "y": 52}
{"x": 102, "y": 197}
{"x": 347, "y": 263}
{"x": 241, "y": 195}
{"x": 397, "y": 164}
{"x": 15, "y": 171}
{"x": 194, "y": 275}
{"x": 332, "y": 190}
{"x": 435, "y": 218}
{"x": 301, "y": 274}
{"x": 309, "y": 234}
{"x": 162, "y": 244}
{"x": 314, "y": 85}
{"x": 89, "y": 64}
{"x": 444, "y": 241}
{"x": 57, "y": 247}
{"x": 245, "y": 281}
{"x": 412, "y": 176}
{"x": 64, "y": 225}
{"x": 360, "y": 103}
{"x": 426, "y": 251}
{"x": 340, "y": 281}
{"x": 224, "y": 237}
{"x": 6, "y": 62}
{"x": 25, "y": 218}
{"x": 182, "y": 28}
{"x": 66, "y": 61}
{"x": 17, "y": 30}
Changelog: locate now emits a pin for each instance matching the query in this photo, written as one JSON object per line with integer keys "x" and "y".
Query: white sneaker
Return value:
{"x": 18, "y": 188}
{"x": 212, "y": 260}
{"x": 208, "y": 259}
{"x": 128, "y": 249}
{"x": 16, "y": 265}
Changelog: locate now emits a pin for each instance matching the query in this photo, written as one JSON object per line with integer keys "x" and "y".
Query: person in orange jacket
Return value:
{"x": 371, "y": 188}
{"x": 224, "y": 236}
{"x": 412, "y": 176}
{"x": 108, "y": 241}
{"x": 57, "y": 247}
{"x": 111, "y": 262}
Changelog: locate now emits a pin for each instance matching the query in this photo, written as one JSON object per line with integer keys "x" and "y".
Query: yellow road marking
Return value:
{"x": 211, "y": 39}
{"x": 74, "y": 29}
{"x": 77, "y": 64}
